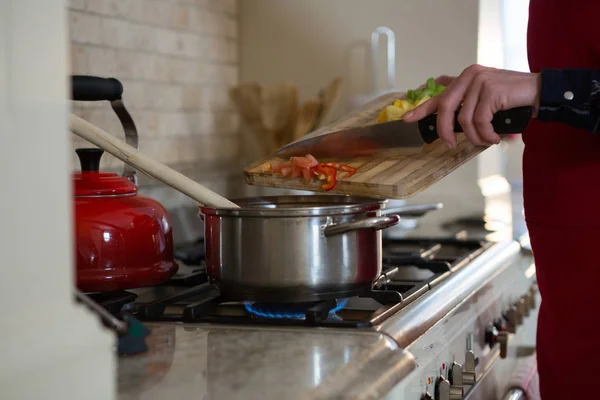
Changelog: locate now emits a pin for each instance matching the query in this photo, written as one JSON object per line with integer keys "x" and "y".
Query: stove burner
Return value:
{"x": 289, "y": 311}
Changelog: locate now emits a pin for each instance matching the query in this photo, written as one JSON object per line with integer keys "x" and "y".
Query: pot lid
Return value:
{"x": 91, "y": 182}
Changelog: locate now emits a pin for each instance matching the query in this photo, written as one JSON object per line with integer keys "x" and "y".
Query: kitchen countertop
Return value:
{"x": 216, "y": 362}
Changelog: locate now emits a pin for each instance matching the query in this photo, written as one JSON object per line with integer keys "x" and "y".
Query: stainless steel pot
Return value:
{"x": 295, "y": 248}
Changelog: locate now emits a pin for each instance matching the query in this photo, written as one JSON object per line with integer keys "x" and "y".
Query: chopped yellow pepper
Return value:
{"x": 414, "y": 99}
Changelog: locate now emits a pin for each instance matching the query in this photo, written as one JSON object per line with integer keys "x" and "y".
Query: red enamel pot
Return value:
{"x": 123, "y": 240}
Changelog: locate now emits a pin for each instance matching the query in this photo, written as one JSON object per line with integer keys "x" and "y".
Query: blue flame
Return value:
{"x": 286, "y": 312}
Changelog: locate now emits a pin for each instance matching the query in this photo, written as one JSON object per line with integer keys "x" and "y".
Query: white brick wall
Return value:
{"x": 176, "y": 60}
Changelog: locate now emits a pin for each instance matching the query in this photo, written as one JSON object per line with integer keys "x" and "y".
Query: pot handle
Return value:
{"x": 376, "y": 223}
{"x": 413, "y": 211}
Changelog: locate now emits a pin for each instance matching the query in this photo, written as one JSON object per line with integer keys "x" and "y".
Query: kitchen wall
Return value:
{"x": 176, "y": 60}
{"x": 309, "y": 42}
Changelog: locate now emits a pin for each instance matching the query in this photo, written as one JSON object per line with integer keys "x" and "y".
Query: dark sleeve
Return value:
{"x": 571, "y": 96}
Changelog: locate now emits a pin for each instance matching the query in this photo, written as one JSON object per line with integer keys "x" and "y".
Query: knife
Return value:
{"x": 394, "y": 137}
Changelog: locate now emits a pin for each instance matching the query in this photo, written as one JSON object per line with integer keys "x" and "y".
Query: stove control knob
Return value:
{"x": 468, "y": 375}
{"x": 520, "y": 306}
{"x": 426, "y": 396}
{"x": 503, "y": 340}
{"x": 511, "y": 318}
{"x": 533, "y": 290}
{"x": 526, "y": 298}
{"x": 442, "y": 389}
{"x": 500, "y": 324}
{"x": 531, "y": 300}
{"x": 491, "y": 335}
{"x": 455, "y": 378}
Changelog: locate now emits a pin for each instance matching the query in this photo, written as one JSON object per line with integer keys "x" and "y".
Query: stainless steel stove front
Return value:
{"x": 472, "y": 350}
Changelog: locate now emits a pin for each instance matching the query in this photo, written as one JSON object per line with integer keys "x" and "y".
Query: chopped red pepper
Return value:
{"x": 346, "y": 168}
{"x": 331, "y": 175}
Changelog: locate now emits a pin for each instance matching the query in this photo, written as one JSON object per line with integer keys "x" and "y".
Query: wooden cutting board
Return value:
{"x": 394, "y": 177}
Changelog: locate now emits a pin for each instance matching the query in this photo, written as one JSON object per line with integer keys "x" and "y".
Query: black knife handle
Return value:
{"x": 505, "y": 122}
{"x": 93, "y": 88}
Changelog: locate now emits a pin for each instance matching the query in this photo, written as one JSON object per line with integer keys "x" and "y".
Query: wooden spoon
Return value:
{"x": 286, "y": 133}
{"x": 307, "y": 118}
{"x": 330, "y": 96}
{"x": 247, "y": 98}
{"x": 147, "y": 165}
{"x": 276, "y": 101}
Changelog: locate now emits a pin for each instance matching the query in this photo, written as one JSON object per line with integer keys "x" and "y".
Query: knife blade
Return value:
{"x": 393, "y": 137}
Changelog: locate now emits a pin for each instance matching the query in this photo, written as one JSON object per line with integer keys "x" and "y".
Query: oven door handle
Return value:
{"x": 515, "y": 394}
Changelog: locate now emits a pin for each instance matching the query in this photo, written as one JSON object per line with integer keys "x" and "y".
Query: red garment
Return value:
{"x": 561, "y": 177}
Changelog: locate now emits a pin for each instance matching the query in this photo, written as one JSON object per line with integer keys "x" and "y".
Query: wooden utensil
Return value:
{"x": 393, "y": 177}
{"x": 329, "y": 96}
{"x": 276, "y": 101}
{"x": 247, "y": 98}
{"x": 285, "y": 134}
{"x": 147, "y": 165}
{"x": 307, "y": 117}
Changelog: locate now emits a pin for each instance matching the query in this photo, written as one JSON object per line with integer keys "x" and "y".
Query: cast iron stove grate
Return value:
{"x": 411, "y": 268}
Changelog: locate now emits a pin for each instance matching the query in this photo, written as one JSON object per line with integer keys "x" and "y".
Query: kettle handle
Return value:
{"x": 94, "y": 88}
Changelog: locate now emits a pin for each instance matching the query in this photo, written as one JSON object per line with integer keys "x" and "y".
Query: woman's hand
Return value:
{"x": 482, "y": 92}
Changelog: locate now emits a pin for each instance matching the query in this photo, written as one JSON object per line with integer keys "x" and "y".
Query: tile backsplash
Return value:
{"x": 176, "y": 60}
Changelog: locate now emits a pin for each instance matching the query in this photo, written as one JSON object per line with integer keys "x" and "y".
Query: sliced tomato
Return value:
{"x": 279, "y": 165}
{"x": 307, "y": 174}
{"x": 276, "y": 166}
{"x": 330, "y": 175}
{"x": 312, "y": 160}
{"x": 304, "y": 162}
{"x": 296, "y": 171}
{"x": 286, "y": 171}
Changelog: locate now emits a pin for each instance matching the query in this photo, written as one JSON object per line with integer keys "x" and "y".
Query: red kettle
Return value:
{"x": 123, "y": 240}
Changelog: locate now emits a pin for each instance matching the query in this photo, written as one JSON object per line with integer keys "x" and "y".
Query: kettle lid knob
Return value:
{"x": 89, "y": 158}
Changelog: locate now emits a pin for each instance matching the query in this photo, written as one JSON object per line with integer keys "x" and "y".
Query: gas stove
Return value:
{"x": 449, "y": 309}
{"x": 411, "y": 268}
